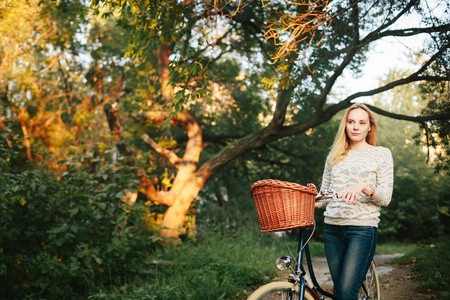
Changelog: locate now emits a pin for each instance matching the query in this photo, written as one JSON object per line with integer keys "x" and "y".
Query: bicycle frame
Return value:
{"x": 300, "y": 271}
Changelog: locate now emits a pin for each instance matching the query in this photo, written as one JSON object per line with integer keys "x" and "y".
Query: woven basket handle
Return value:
{"x": 310, "y": 188}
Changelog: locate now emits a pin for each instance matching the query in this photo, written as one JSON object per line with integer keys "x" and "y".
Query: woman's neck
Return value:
{"x": 361, "y": 145}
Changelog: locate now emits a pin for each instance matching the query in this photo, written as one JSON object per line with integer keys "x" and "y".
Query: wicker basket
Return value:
{"x": 283, "y": 205}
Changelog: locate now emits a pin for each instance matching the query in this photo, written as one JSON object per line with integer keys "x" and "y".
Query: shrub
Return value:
{"x": 69, "y": 236}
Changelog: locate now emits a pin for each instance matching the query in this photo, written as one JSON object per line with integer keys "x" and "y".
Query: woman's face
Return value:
{"x": 358, "y": 125}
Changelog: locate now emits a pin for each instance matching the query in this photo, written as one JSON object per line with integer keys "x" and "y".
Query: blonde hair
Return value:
{"x": 341, "y": 143}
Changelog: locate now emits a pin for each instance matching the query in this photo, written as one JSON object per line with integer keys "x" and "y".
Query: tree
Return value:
{"x": 417, "y": 210}
{"x": 176, "y": 37}
{"x": 437, "y": 132}
{"x": 38, "y": 47}
{"x": 60, "y": 67}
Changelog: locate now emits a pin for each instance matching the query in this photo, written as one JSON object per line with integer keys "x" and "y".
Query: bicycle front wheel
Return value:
{"x": 280, "y": 290}
{"x": 371, "y": 285}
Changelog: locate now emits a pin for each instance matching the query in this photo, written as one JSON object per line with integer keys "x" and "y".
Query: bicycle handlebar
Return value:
{"x": 326, "y": 195}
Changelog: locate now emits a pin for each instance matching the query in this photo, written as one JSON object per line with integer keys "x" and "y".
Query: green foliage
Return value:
{"x": 66, "y": 12}
{"x": 420, "y": 196}
{"x": 418, "y": 212}
{"x": 213, "y": 266}
{"x": 65, "y": 237}
{"x": 227, "y": 261}
{"x": 432, "y": 265}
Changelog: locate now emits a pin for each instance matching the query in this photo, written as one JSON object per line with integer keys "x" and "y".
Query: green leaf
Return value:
{"x": 73, "y": 211}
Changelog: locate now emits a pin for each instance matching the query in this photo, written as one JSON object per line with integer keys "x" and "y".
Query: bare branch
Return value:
{"x": 374, "y": 35}
{"x": 405, "y": 10}
{"x": 397, "y": 33}
{"x": 417, "y": 119}
{"x": 414, "y": 31}
{"x": 194, "y": 145}
{"x": 172, "y": 157}
{"x": 161, "y": 197}
{"x": 412, "y": 78}
{"x": 283, "y": 100}
{"x": 338, "y": 71}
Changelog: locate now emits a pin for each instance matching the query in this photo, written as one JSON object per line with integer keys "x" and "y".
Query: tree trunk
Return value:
{"x": 187, "y": 183}
{"x": 174, "y": 218}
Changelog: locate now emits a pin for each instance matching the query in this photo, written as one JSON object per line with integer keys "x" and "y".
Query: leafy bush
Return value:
{"x": 419, "y": 210}
{"x": 69, "y": 236}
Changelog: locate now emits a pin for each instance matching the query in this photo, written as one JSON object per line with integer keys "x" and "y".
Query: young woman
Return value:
{"x": 363, "y": 174}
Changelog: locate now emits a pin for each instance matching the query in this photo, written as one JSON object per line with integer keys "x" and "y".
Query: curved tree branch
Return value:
{"x": 283, "y": 100}
{"x": 162, "y": 197}
{"x": 171, "y": 157}
{"x": 413, "y": 31}
{"x": 417, "y": 119}
{"x": 186, "y": 166}
{"x": 345, "y": 62}
{"x": 194, "y": 145}
{"x": 397, "y": 33}
{"x": 332, "y": 110}
{"x": 374, "y": 35}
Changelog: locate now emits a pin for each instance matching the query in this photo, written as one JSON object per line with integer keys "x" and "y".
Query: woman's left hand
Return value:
{"x": 351, "y": 194}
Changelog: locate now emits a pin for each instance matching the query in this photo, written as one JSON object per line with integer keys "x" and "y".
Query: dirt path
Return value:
{"x": 397, "y": 281}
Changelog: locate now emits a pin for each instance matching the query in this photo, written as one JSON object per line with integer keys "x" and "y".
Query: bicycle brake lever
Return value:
{"x": 335, "y": 196}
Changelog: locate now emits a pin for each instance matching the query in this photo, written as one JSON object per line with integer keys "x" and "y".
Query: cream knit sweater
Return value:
{"x": 372, "y": 166}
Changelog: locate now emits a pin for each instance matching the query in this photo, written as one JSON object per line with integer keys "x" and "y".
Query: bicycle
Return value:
{"x": 298, "y": 285}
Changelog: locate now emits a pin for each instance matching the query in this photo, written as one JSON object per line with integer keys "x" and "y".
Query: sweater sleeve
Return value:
{"x": 326, "y": 180}
{"x": 385, "y": 178}
{"x": 326, "y": 177}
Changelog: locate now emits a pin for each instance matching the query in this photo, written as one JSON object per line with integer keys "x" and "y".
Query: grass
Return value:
{"x": 432, "y": 266}
{"x": 393, "y": 248}
{"x": 223, "y": 263}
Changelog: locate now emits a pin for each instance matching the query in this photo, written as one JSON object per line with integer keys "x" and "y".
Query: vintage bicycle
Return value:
{"x": 282, "y": 206}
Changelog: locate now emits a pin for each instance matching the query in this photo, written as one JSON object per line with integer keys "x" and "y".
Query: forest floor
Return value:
{"x": 397, "y": 281}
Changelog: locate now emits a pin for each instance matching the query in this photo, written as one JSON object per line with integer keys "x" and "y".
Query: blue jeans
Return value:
{"x": 349, "y": 251}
